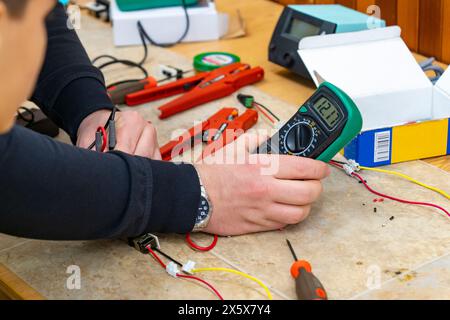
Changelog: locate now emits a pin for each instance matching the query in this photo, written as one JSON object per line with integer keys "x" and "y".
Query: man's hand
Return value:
{"x": 134, "y": 135}
{"x": 250, "y": 198}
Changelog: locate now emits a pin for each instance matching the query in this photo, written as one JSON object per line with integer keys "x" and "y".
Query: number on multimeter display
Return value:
{"x": 328, "y": 112}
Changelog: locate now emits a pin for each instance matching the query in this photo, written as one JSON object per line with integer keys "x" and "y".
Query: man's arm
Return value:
{"x": 53, "y": 191}
{"x": 69, "y": 87}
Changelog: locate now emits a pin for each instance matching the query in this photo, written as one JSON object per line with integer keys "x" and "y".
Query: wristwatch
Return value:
{"x": 205, "y": 209}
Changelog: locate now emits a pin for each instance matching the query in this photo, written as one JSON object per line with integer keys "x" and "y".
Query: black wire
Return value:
{"x": 168, "y": 257}
{"x": 268, "y": 110}
{"x": 167, "y": 45}
{"x": 126, "y": 62}
{"x": 143, "y": 35}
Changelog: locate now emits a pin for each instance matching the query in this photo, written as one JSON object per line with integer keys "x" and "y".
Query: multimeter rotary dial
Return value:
{"x": 299, "y": 137}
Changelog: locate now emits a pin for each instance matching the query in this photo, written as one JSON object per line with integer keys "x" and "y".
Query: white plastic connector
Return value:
{"x": 348, "y": 169}
{"x": 172, "y": 269}
{"x": 188, "y": 267}
{"x": 355, "y": 165}
{"x": 167, "y": 71}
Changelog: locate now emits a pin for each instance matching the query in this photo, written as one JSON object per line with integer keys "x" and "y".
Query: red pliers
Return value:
{"x": 219, "y": 130}
{"x": 199, "y": 89}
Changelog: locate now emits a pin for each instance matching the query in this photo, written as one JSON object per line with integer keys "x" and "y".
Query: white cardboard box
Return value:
{"x": 166, "y": 25}
{"x": 441, "y": 98}
{"x": 378, "y": 71}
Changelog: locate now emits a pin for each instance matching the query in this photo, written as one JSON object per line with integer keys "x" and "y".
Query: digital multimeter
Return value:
{"x": 301, "y": 21}
{"x": 322, "y": 127}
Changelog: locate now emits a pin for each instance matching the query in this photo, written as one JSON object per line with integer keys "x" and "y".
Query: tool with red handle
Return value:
{"x": 222, "y": 128}
{"x": 308, "y": 286}
{"x": 202, "y": 88}
{"x": 119, "y": 92}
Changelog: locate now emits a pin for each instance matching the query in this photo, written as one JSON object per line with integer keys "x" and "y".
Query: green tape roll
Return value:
{"x": 213, "y": 60}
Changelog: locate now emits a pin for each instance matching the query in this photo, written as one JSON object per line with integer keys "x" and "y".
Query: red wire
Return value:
{"x": 156, "y": 257}
{"x": 359, "y": 177}
{"x": 204, "y": 282}
{"x": 104, "y": 137}
{"x": 153, "y": 253}
{"x": 264, "y": 113}
{"x": 193, "y": 245}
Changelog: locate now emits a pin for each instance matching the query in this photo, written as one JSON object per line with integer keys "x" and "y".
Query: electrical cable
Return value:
{"x": 427, "y": 65}
{"x": 204, "y": 282}
{"x": 268, "y": 110}
{"x": 193, "y": 245}
{"x": 266, "y": 289}
{"x": 102, "y": 131}
{"x": 264, "y": 113}
{"x": 168, "y": 45}
{"x": 139, "y": 65}
{"x": 129, "y": 63}
{"x": 361, "y": 179}
{"x": 169, "y": 257}
{"x": 404, "y": 176}
{"x": 111, "y": 118}
{"x": 162, "y": 264}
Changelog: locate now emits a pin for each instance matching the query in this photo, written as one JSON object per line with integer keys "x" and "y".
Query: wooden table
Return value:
{"x": 260, "y": 17}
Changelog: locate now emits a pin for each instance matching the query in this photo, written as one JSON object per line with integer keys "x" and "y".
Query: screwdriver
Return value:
{"x": 308, "y": 287}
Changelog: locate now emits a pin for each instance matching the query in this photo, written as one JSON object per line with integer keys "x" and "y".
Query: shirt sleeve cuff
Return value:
{"x": 175, "y": 199}
{"x": 77, "y": 100}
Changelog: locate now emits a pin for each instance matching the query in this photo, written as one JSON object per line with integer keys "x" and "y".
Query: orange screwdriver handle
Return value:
{"x": 308, "y": 286}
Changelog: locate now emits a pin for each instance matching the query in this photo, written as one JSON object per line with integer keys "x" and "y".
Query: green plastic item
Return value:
{"x": 209, "y": 61}
{"x": 136, "y": 5}
{"x": 351, "y": 129}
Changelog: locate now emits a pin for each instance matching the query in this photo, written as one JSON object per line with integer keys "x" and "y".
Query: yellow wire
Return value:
{"x": 266, "y": 289}
{"x": 404, "y": 176}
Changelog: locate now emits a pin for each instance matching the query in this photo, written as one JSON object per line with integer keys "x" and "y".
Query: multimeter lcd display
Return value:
{"x": 300, "y": 29}
{"x": 328, "y": 112}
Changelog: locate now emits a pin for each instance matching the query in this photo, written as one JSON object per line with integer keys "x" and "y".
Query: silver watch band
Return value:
{"x": 199, "y": 226}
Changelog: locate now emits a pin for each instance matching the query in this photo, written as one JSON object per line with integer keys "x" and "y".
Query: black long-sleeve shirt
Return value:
{"x": 53, "y": 191}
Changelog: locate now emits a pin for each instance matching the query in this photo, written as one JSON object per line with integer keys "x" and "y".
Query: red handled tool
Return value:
{"x": 202, "y": 88}
{"x": 308, "y": 287}
{"x": 219, "y": 130}
{"x": 119, "y": 92}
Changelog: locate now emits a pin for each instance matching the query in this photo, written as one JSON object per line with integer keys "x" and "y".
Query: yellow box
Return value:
{"x": 419, "y": 140}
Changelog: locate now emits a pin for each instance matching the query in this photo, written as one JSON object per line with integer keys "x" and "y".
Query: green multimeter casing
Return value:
{"x": 320, "y": 129}
{"x": 135, "y": 5}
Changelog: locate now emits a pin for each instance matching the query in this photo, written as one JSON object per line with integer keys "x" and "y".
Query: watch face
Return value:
{"x": 203, "y": 210}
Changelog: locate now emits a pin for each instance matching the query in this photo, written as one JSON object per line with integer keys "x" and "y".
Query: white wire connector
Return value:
{"x": 351, "y": 167}
{"x": 188, "y": 267}
{"x": 355, "y": 165}
{"x": 172, "y": 269}
{"x": 348, "y": 169}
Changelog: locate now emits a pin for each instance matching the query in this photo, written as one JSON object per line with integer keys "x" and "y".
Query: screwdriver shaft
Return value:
{"x": 292, "y": 250}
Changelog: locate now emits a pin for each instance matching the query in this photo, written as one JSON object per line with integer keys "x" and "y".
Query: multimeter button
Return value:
{"x": 303, "y": 109}
{"x": 272, "y": 47}
{"x": 299, "y": 138}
